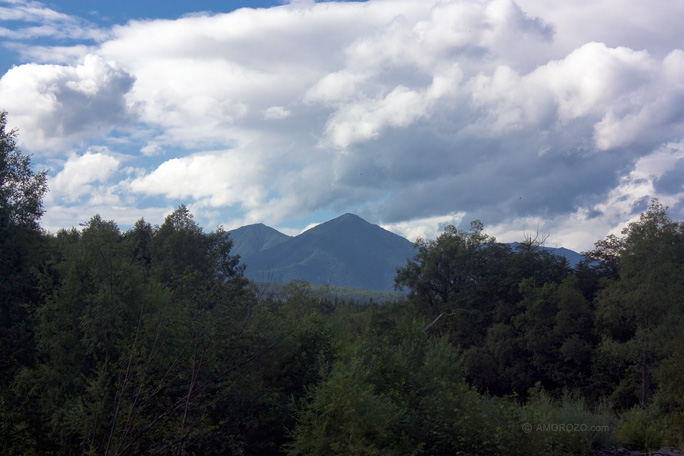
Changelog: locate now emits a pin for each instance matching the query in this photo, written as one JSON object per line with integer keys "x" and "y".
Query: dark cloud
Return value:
{"x": 672, "y": 181}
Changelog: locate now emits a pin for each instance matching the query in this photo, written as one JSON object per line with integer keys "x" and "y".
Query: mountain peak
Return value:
{"x": 348, "y": 217}
{"x": 345, "y": 251}
{"x": 250, "y": 239}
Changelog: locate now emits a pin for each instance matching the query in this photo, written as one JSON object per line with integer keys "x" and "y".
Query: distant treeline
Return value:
{"x": 329, "y": 292}
{"x": 151, "y": 341}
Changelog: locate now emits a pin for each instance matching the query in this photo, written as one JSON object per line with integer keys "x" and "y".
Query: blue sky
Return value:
{"x": 104, "y": 12}
{"x": 567, "y": 117}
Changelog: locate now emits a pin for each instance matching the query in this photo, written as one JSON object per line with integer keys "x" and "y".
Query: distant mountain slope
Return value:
{"x": 573, "y": 257}
{"x": 251, "y": 239}
{"x": 346, "y": 251}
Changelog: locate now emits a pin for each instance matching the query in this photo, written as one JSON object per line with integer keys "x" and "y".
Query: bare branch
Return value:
{"x": 535, "y": 239}
{"x": 453, "y": 312}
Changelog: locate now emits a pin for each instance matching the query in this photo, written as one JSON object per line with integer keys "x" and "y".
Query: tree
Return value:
{"x": 21, "y": 190}
{"x": 638, "y": 314}
{"x": 443, "y": 269}
{"x": 93, "y": 298}
{"x": 398, "y": 395}
{"x": 21, "y": 244}
{"x": 21, "y": 203}
{"x": 140, "y": 339}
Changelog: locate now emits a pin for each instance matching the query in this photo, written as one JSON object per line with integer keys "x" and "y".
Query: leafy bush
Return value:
{"x": 649, "y": 429}
{"x": 565, "y": 426}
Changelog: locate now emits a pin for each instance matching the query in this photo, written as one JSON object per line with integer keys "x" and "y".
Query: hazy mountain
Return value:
{"x": 251, "y": 239}
{"x": 346, "y": 251}
{"x": 573, "y": 257}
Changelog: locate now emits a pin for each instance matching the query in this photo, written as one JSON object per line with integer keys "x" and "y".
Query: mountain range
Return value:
{"x": 346, "y": 251}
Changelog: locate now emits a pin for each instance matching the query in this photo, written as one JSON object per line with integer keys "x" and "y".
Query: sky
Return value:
{"x": 563, "y": 118}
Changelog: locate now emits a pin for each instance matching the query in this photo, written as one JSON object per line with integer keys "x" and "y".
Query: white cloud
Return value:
{"x": 339, "y": 86}
{"x": 63, "y": 216}
{"x": 57, "y": 55}
{"x": 364, "y": 120}
{"x": 151, "y": 149}
{"x": 52, "y": 24}
{"x": 309, "y": 226}
{"x": 632, "y": 24}
{"x": 54, "y": 106}
{"x": 424, "y": 228}
{"x": 413, "y": 113}
{"x": 277, "y": 113}
{"x": 595, "y": 82}
{"x": 80, "y": 172}
{"x": 653, "y": 109}
{"x": 593, "y": 76}
{"x": 212, "y": 179}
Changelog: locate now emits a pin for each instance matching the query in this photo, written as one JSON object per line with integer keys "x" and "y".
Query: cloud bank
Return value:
{"x": 410, "y": 113}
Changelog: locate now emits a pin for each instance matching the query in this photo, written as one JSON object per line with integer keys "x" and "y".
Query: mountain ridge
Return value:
{"x": 250, "y": 239}
{"x": 346, "y": 251}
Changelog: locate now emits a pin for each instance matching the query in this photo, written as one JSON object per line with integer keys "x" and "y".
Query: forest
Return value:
{"x": 151, "y": 341}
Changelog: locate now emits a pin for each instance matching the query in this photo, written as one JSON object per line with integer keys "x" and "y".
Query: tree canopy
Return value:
{"x": 21, "y": 190}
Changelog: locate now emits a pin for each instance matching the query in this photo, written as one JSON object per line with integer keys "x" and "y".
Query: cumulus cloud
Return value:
{"x": 151, "y": 149}
{"x": 276, "y": 113}
{"x": 215, "y": 179}
{"x": 581, "y": 228}
{"x": 424, "y": 228}
{"x": 55, "y": 106}
{"x": 411, "y": 113}
{"x": 80, "y": 172}
{"x": 364, "y": 120}
{"x": 652, "y": 110}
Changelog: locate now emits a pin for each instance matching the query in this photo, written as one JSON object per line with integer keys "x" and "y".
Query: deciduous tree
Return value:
{"x": 21, "y": 248}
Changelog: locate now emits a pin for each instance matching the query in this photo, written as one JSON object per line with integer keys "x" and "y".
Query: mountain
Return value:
{"x": 347, "y": 251}
{"x": 251, "y": 239}
{"x": 573, "y": 257}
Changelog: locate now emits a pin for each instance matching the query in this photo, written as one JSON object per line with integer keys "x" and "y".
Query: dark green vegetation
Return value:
{"x": 151, "y": 341}
{"x": 332, "y": 293}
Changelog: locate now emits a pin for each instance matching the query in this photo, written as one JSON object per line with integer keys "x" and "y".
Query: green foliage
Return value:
{"x": 441, "y": 271}
{"x": 129, "y": 352}
{"x": 347, "y": 417}
{"x": 639, "y": 315}
{"x": 399, "y": 396}
{"x": 565, "y": 425}
{"x": 650, "y": 429}
{"x": 336, "y": 294}
{"x": 21, "y": 190}
{"x": 21, "y": 252}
